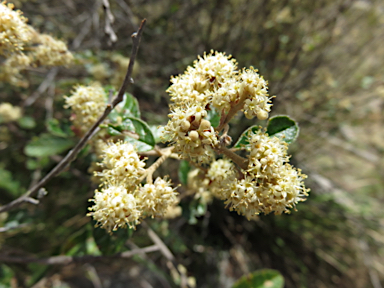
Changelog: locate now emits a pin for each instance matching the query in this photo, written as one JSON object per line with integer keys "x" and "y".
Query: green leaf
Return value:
{"x": 7, "y": 183}
{"x": 75, "y": 243}
{"x": 54, "y": 127}
{"x": 47, "y": 145}
{"x": 6, "y": 276}
{"x": 243, "y": 139}
{"x": 213, "y": 117}
{"x": 157, "y": 131}
{"x": 113, "y": 131}
{"x": 140, "y": 146}
{"x": 265, "y": 278}
{"x": 27, "y": 122}
{"x": 111, "y": 244}
{"x": 129, "y": 107}
{"x": 184, "y": 168}
{"x": 197, "y": 208}
{"x": 140, "y": 128}
{"x": 283, "y": 127}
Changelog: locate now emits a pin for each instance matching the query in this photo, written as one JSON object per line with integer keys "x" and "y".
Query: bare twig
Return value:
{"x": 167, "y": 254}
{"x": 93, "y": 276}
{"x": 83, "y": 141}
{"x": 64, "y": 260}
{"x": 109, "y": 19}
{"x": 6, "y": 229}
{"x": 42, "y": 88}
{"x": 157, "y": 151}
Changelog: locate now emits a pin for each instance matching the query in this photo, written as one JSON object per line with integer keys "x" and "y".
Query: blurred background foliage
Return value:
{"x": 324, "y": 62}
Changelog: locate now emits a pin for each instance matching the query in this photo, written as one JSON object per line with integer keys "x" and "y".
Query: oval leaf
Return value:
{"x": 184, "y": 168}
{"x": 265, "y": 278}
{"x": 284, "y": 128}
{"x": 47, "y": 145}
{"x": 157, "y": 131}
{"x": 110, "y": 244}
{"x": 130, "y": 106}
{"x": 213, "y": 117}
{"x": 139, "y": 127}
{"x": 243, "y": 139}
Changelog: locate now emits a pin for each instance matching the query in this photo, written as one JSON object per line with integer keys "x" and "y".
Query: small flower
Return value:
{"x": 87, "y": 104}
{"x": 14, "y": 32}
{"x": 122, "y": 164}
{"x": 49, "y": 51}
{"x": 156, "y": 198}
{"x": 221, "y": 174}
{"x": 258, "y": 100}
{"x": 216, "y": 67}
{"x": 198, "y": 183}
{"x": 9, "y": 113}
{"x": 115, "y": 208}
{"x": 192, "y": 135}
{"x": 197, "y": 85}
{"x": 267, "y": 155}
{"x": 12, "y": 67}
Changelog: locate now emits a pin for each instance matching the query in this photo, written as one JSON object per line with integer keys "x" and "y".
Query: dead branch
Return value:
{"x": 65, "y": 260}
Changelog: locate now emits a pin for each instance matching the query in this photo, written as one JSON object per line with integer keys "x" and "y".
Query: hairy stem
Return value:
{"x": 240, "y": 161}
{"x": 165, "y": 153}
{"x": 232, "y": 112}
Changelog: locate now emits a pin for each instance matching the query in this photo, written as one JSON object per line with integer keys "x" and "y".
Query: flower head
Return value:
{"x": 192, "y": 134}
{"x": 14, "y": 31}
{"x": 115, "y": 208}
{"x": 9, "y": 113}
{"x": 87, "y": 104}
{"x": 156, "y": 198}
{"x": 122, "y": 164}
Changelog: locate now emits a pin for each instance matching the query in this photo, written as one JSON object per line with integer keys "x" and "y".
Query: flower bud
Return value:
{"x": 205, "y": 125}
{"x": 194, "y": 135}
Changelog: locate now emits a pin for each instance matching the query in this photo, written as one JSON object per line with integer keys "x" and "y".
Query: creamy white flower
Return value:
{"x": 115, "y": 208}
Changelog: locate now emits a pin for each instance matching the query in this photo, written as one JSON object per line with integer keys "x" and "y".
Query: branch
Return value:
{"x": 92, "y": 131}
{"x": 109, "y": 19}
{"x": 240, "y": 161}
{"x": 167, "y": 254}
{"x": 64, "y": 260}
{"x": 165, "y": 153}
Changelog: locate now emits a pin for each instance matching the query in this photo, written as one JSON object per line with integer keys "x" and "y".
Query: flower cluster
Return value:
{"x": 23, "y": 47}
{"x": 87, "y": 104}
{"x": 9, "y": 113}
{"x": 214, "y": 82}
{"x": 122, "y": 201}
{"x": 192, "y": 134}
{"x": 14, "y": 30}
{"x": 264, "y": 181}
{"x": 49, "y": 51}
{"x": 270, "y": 184}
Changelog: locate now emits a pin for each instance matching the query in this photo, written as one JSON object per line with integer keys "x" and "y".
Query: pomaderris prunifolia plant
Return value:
{"x": 252, "y": 176}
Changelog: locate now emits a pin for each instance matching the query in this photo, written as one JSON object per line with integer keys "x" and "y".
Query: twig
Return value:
{"x": 240, "y": 161}
{"x": 93, "y": 276}
{"x": 64, "y": 260}
{"x": 42, "y": 88}
{"x": 109, "y": 19}
{"x": 166, "y": 253}
{"x": 9, "y": 228}
{"x": 83, "y": 32}
{"x": 165, "y": 153}
{"x": 83, "y": 141}
{"x": 128, "y": 11}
